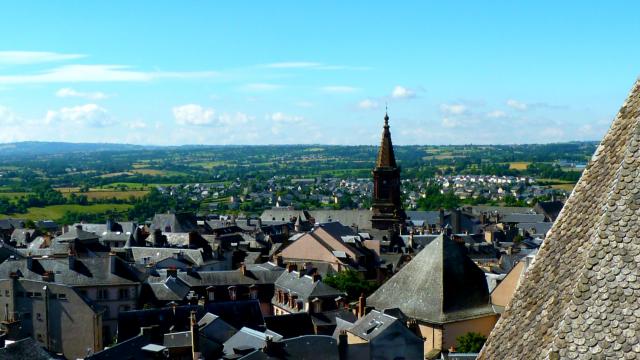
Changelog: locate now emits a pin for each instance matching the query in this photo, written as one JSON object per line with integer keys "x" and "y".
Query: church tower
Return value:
{"x": 386, "y": 204}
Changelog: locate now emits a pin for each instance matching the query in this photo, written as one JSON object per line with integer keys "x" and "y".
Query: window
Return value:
{"x": 232, "y": 292}
{"x": 62, "y": 296}
{"x": 253, "y": 292}
{"x": 7, "y": 293}
{"x": 123, "y": 294}
{"x": 38, "y": 316}
{"x": 103, "y": 294}
{"x": 29, "y": 294}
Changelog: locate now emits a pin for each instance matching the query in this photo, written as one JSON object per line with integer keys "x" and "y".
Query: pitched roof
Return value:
{"x": 440, "y": 285}
{"x": 304, "y": 286}
{"x": 581, "y": 297}
{"x": 85, "y": 272}
{"x": 26, "y": 348}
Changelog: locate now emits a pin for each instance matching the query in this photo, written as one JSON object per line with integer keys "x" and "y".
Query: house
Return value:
{"x": 26, "y": 348}
{"x": 580, "y": 298}
{"x": 443, "y": 291}
{"x": 54, "y": 315}
{"x": 296, "y": 292}
{"x": 331, "y": 243}
{"x": 550, "y": 209}
{"x": 386, "y": 337}
{"x": 181, "y": 223}
{"x": 106, "y": 281}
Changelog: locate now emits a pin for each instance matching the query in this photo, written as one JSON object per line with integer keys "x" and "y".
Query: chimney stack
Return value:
{"x": 243, "y": 269}
{"x": 362, "y": 303}
{"x": 195, "y": 337}
{"x": 343, "y": 344}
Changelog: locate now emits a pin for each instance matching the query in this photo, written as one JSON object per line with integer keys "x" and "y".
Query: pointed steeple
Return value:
{"x": 386, "y": 157}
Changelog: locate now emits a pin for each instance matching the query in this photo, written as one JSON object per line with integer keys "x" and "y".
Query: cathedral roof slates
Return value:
{"x": 581, "y": 296}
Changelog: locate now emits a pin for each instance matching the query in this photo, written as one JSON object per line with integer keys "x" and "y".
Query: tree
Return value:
{"x": 352, "y": 283}
{"x": 470, "y": 342}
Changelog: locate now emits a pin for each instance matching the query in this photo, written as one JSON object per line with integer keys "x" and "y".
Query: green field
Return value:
{"x": 55, "y": 212}
{"x": 13, "y": 195}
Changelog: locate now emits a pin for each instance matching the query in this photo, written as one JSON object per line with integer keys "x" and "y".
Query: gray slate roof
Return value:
{"x": 304, "y": 286}
{"x": 89, "y": 271}
{"x": 581, "y": 296}
{"x": 440, "y": 285}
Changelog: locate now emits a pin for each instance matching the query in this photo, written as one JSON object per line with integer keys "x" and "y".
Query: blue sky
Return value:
{"x": 205, "y": 72}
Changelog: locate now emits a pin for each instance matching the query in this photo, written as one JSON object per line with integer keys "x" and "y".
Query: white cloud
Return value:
{"x": 496, "y": 114}
{"x": 368, "y": 104}
{"x": 262, "y": 87}
{"x": 68, "y": 92}
{"x": 401, "y": 92}
{"x": 99, "y": 73}
{"x": 454, "y": 109}
{"x": 339, "y": 89}
{"x": 33, "y": 57}
{"x": 90, "y": 115}
{"x": 293, "y": 65}
{"x": 192, "y": 114}
{"x": 311, "y": 65}
{"x": 281, "y": 117}
{"x": 137, "y": 125}
{"x": 518, "y": 105}
{"x": 450, "y": 123}
{"x": 238, "y": 118}
{"x": 7, "y": 116}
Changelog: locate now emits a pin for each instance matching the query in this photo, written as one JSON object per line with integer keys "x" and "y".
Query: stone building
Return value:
{"x": 581, "y": 296}
{"x": 56, "y": 316}
{"x": 443, "y": 291}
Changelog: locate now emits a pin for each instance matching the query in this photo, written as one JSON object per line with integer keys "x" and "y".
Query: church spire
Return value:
{"x": 386, "y": 157}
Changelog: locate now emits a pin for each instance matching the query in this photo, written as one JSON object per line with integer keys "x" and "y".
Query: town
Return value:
{"x": 349, "y": 281}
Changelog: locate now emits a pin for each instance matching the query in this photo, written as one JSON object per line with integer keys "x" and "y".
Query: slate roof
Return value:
{"x": 550, "y": 209}
{"x": 88, "y": 271}
{"x": 376, "y": 323}
{"x": 180, "y": 223}
{"x": 77, "y": 234}
{"x": 214, "y": 328}
{"x": 439, "y": 285}
{"x": 308, "y": 347}
{"x": 156, "y": 255}
{"x": 522, "y": 218}
{"x": 304, "y": 286}
{"x": 26, "y": 348}
{"x": 226, "y": 277}
{"x": 124, "y": 350}
{"x": 291, "y": 325}
{"x": 581, "y": 296}
{"x": 246, "y": 337}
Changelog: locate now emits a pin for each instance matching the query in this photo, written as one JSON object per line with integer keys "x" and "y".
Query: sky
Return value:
{"x": 314, "y": 72}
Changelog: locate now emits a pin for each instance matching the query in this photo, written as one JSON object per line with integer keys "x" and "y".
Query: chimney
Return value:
{"x": 195, "y": 349}
{"x": 157, "y": 238}
{"x": 441, "y": 218}
{"x": 172, "y": 272}
{"x": 316, "y": 277}
{"x": 292, "y": 267}
{"x": 343, "y": 344}
{"x": 72, "y": 261}
{"x": 456, "y": 221}
{"x": 340, "y": 302}
{"x": 243, "y": 269}
{"x": 362, "y": 303}
{"x": 48, "y": 276}
{"x": 79, "y": 227}
{"x": 109, "y": 224}
{"x": 113, "y": 262}
{"x": 279, "y": 261}
{"x": 193, "y": 239}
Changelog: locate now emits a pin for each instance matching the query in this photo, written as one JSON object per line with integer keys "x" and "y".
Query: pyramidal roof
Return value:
{"x": 440, "y": 285}
{"x": 386, "y": 157}
{"x": 581, "y": 296}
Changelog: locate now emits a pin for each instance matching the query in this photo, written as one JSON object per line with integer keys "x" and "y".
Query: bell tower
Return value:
{"x": 387, "y": 212}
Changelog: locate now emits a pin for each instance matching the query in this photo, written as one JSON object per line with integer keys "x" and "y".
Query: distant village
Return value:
{"x": 331, "y": 192}
{"x": 375, "y": 280}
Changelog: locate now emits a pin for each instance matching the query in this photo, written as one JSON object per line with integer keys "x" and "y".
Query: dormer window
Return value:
{"x": 253, "y": 292}
{"x": 232, "y": 292}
